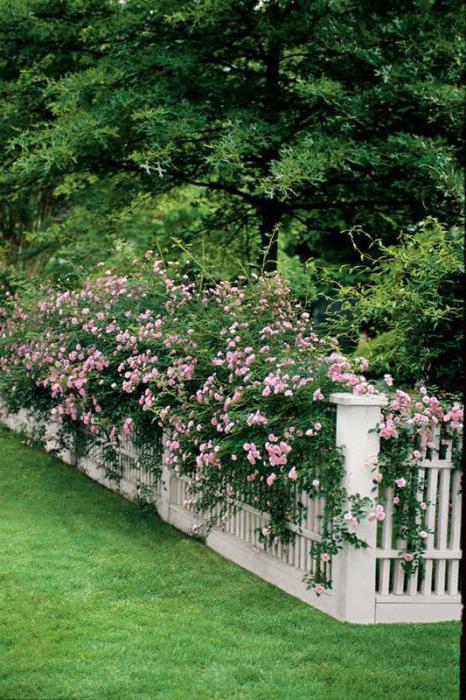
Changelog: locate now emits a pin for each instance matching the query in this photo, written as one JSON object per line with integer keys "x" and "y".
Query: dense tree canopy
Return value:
{"x": 263, "y": 118}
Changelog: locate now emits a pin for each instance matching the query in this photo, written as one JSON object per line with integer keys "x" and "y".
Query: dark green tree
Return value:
{"x": 40, "y": 42}
{"x": 302, "y": 118}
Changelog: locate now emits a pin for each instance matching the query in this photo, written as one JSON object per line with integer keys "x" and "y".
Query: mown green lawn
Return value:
{"x": 99, "y": 599}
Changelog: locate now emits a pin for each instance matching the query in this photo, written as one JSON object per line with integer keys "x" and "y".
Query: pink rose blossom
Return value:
{"x": 293, "y": 474}
{"x": 128, "y": 426}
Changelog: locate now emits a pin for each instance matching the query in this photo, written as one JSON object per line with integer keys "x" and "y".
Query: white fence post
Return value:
{"x": 353, "y": 570}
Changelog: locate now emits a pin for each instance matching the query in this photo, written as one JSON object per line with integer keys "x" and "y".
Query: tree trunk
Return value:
{"x": 271, "y": 210}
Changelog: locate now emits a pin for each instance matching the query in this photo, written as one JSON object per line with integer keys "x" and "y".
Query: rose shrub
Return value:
{"x": 235, "y": 376}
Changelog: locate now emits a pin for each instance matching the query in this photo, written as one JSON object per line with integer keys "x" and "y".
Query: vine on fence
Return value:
{"x": 236, "y": 377}
{"x": 412, "y": 429}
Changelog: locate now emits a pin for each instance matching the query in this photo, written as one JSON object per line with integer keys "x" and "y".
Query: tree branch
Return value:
{"x": 225, "y": 188}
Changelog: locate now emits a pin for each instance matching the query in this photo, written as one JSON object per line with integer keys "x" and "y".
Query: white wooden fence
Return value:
{"x": 369, "y": 585}
{"x": 435, "y": 595}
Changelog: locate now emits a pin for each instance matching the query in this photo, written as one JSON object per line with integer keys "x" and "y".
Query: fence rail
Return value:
{"x": 370, "y": 584}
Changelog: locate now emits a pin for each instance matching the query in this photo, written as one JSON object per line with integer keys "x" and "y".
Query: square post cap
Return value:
{"x": 347, "y": 399}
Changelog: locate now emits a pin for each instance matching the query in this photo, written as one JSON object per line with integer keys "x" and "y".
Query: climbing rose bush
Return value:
{"x": 239, "y": 383}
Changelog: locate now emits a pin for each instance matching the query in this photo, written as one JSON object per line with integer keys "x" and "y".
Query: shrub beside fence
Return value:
{"x": 369, "y": 584}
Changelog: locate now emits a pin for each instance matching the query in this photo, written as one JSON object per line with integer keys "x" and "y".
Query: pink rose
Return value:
{"x": 293, "y": 474}
{"x": 128, "y": 426}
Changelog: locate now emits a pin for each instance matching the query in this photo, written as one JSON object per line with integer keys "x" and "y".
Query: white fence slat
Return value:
{"x": 431, "y": 495}
{"x": 250, "y": 528}
{"x": 386, "y": 542}
{"x": 455, "y": 534}
{"x": 303, "y": 553}
{"x": 414, "y": 578}
{"x": 412, "y": 583}
{"x": 398, "y": 570}
{"x": 442, "y": 529}
{"x": 399, "y": 576}
{"x": 453, "y": 575}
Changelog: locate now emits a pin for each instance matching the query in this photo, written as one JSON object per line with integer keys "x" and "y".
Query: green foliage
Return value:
{"x": 410, "y": 312}
{"x": 40, "y": 42}
{"x": 298, "y": 116}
